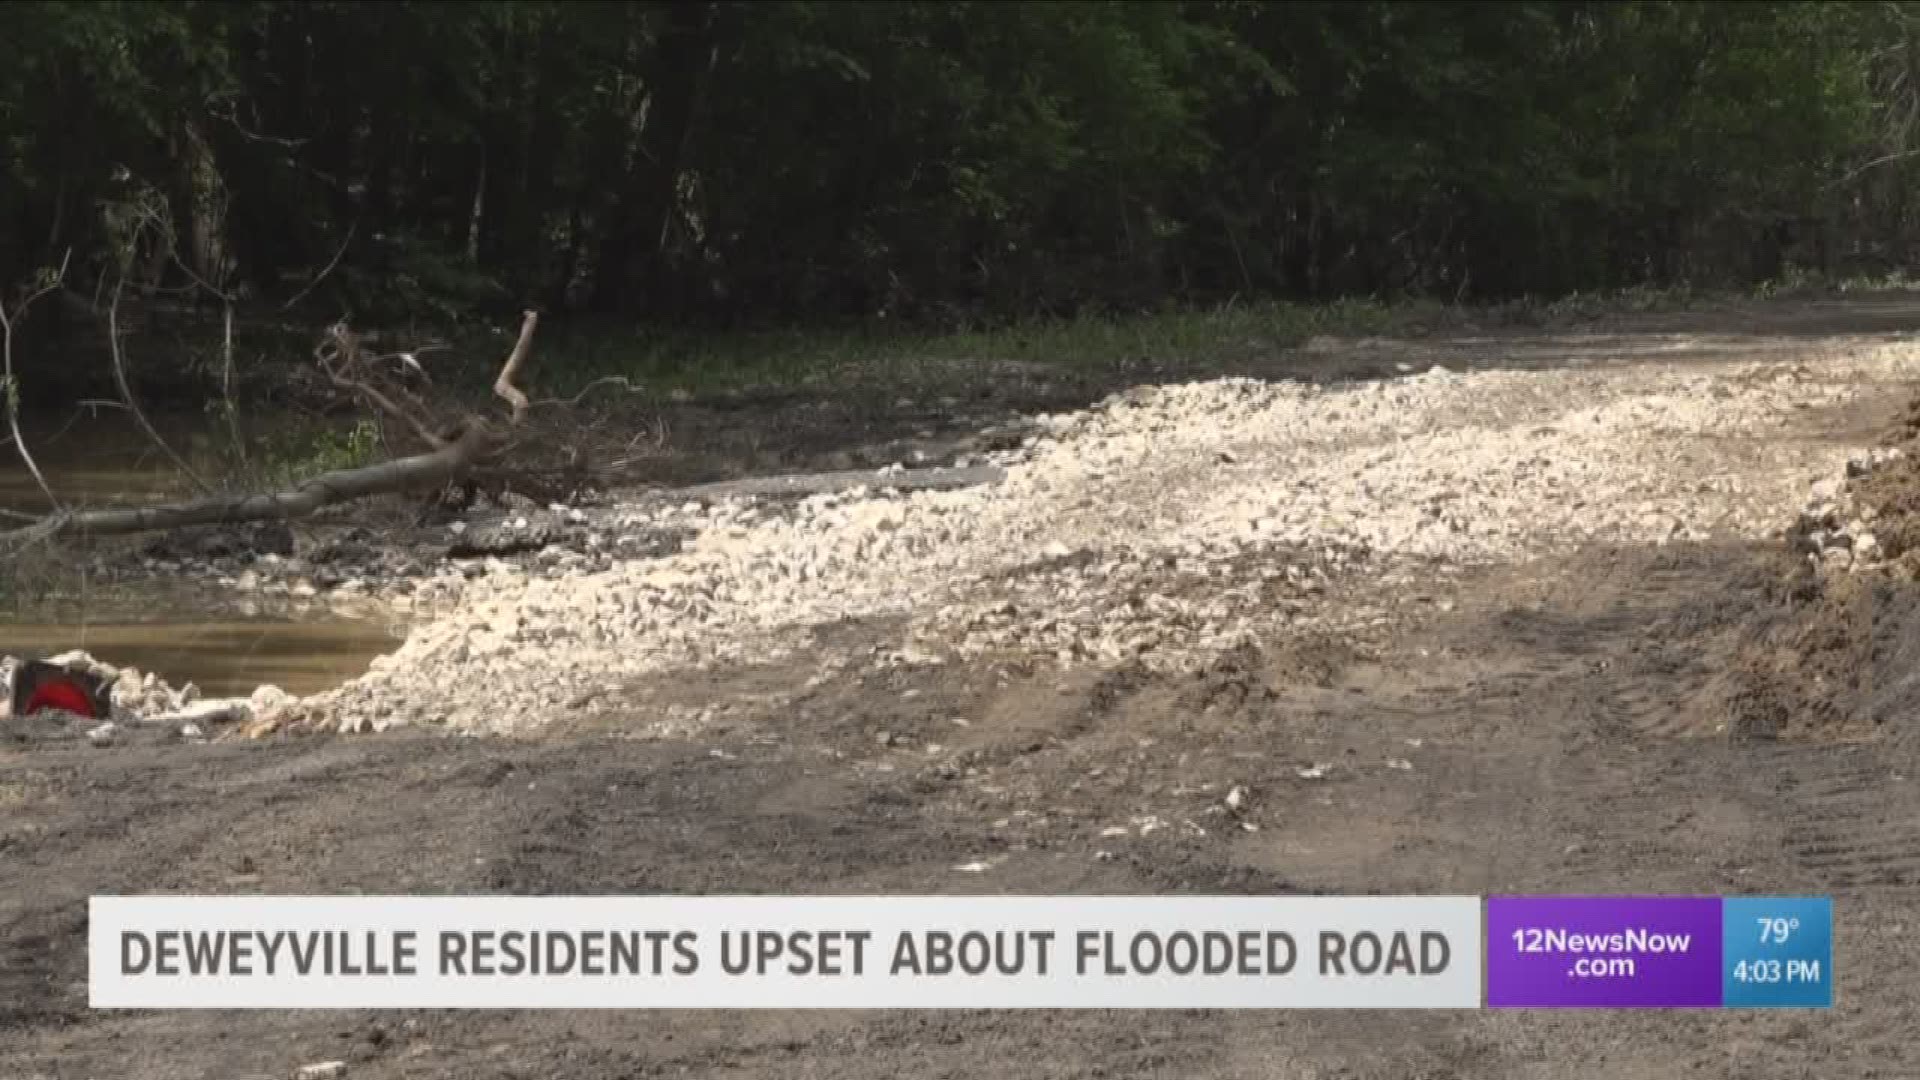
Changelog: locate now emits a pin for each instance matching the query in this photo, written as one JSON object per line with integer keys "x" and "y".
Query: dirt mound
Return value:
{"x": 1889, "y": 493}
{"x": 1824, "y": 659}
{"x": 1830, "y": 655}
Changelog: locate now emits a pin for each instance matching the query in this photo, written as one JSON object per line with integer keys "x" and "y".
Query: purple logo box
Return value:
{"x": 1601, "y": 952}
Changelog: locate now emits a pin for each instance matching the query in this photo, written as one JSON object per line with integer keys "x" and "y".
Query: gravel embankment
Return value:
{"x": 1163, "y": 525}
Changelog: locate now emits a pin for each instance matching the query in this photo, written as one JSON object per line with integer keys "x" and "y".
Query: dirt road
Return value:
{"x": 1540, "y": 720}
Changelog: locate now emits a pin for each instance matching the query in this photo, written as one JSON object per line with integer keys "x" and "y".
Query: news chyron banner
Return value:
{"x": 926, "y": 952}
{"x": 933, "y": 952}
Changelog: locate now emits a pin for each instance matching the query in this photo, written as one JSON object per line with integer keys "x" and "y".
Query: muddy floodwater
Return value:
{"x": 222, "y": 656}
{"x": 93, "y": 457}
{"x": 190, "y": 633}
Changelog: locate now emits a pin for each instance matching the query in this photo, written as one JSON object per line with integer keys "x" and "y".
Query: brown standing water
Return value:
{"x": 184, "y": 631}
{"x": 222, "y": 656}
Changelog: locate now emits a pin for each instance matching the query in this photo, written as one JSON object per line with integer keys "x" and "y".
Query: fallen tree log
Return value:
{"x": 447, "y": 460}
{"x": 416, "y": 473}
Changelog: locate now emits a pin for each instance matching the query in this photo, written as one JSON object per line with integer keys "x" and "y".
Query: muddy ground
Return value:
{"x": 1689, "y": 718}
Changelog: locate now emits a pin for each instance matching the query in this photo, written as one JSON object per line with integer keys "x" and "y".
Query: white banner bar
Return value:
{"x": 763, "y": 952}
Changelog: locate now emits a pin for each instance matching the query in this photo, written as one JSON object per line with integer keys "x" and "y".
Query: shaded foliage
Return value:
{"x": 792, "y": 161}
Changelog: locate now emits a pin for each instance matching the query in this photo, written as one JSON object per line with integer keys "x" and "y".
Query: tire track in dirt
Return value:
{"x": 1848, "y": 834}
{"x": 1626, "y": 801}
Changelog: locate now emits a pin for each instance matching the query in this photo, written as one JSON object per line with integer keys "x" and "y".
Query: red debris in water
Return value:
{"x": 61, "y": 694}
{"x": 39, "y": 686}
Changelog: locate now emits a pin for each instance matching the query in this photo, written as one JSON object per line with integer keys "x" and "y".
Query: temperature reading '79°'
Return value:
{"x": 1776, "y": 931}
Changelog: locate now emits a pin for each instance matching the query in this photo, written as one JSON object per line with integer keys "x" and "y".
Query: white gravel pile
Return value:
{"x": 1162, "y": 524}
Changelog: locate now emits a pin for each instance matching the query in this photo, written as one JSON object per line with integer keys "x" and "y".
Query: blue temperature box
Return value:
{"x": 1777, "y": 952}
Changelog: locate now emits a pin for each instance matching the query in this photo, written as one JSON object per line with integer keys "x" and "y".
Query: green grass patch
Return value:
{"x": 285, "y": 455}
{"x": 706, "y": 363}
{"x": 571, "y": 354}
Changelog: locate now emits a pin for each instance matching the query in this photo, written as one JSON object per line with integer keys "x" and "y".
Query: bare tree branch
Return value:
{"x": 227, "y": 402}
{"x": 620, "y": 381}
{"x": 505, "y": 385}
{"x": 12, "y": 387}
{"x": 1884, "y": 159}
{"x": 331, "y": 263}
{"x": 72, "y": 418}
{"x": 340, "y": 362}
{"x": 232, "y": 116}
{"x": 125, "y": 387}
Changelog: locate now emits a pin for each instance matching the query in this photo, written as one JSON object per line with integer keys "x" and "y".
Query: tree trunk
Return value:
{"x": 477, "y": 215}
{"x": 633, "y": 245}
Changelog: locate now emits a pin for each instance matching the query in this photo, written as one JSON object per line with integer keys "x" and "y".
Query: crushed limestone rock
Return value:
{"x": 1159, "y": 527}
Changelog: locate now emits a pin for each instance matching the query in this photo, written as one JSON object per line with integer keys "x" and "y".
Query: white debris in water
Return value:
{"x": 141, "y": 698}
{"x": 209, "y": 712}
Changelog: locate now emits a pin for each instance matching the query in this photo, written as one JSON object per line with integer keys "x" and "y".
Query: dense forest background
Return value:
{"x": 704, "y": 163}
